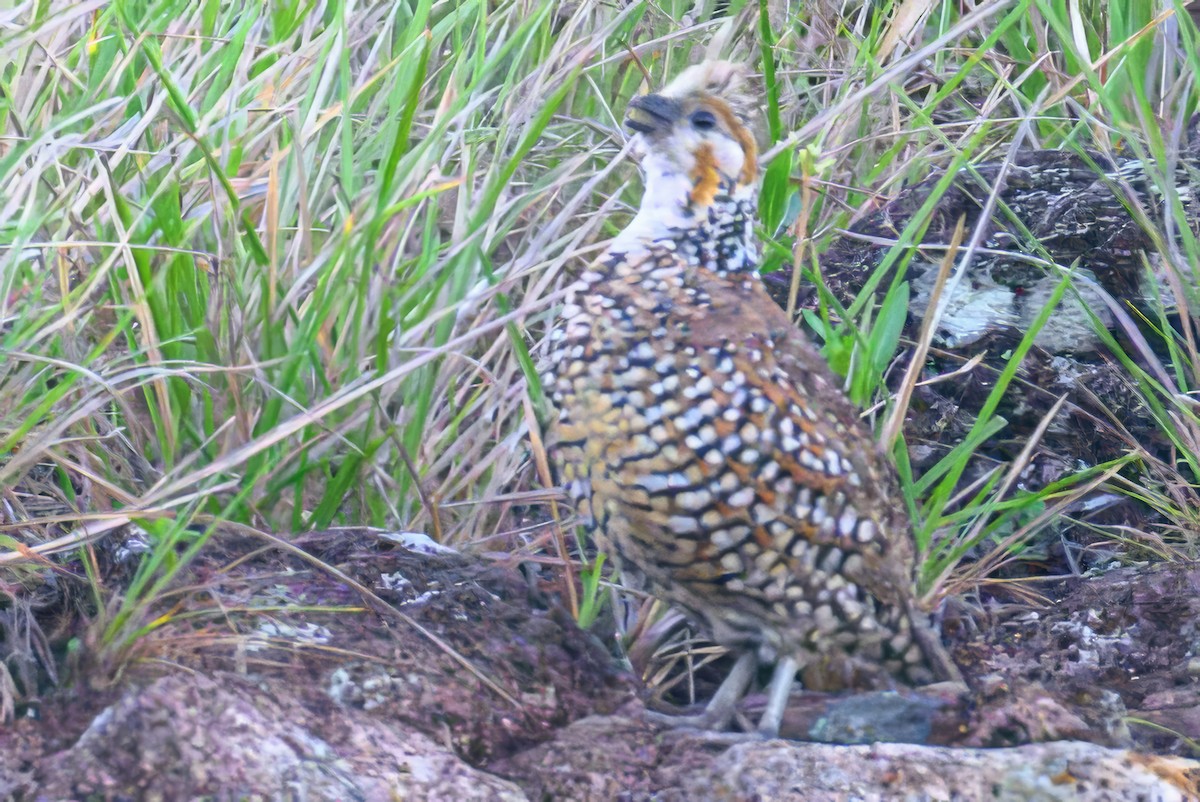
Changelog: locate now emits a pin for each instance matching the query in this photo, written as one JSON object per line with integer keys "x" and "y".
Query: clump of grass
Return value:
{"x": 1040, "y": 74}
{"x": 276, "y": 265}
{"x": 286, "y": 266}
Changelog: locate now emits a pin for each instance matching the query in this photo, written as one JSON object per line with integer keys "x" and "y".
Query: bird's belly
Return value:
{"x": 655, "y": 509}
{"x": 695, "y": 524}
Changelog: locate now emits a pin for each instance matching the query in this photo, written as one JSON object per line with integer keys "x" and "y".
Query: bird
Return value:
{"x": 705, "y": 443}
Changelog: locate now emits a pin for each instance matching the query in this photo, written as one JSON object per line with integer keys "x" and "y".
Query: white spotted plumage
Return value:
{"x": 727, "y": 482}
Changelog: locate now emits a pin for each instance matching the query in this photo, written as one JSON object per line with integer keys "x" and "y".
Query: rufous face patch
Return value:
{"x": 744, "y": 137}
{"x": 705, "y": 176}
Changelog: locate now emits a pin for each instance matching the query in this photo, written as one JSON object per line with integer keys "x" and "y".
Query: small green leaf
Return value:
{"x": 885, "y": 335}
{"x": 777, "y": 192}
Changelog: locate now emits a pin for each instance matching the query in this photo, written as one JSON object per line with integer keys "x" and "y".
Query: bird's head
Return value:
{"x": 700, "y": 158}
{"x": 696, "y": 139}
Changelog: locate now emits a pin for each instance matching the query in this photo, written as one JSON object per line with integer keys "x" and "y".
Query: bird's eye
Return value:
{"x": 703, "y": 120}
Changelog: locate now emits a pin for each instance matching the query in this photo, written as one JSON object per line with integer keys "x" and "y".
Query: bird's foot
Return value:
{"x": 705, "y": 720}
{"x": 721, "y": 709}
{"x": 699, "y": 727}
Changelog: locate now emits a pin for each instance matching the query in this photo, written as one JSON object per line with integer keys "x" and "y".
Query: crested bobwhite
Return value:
{"x": 706, "y": 443}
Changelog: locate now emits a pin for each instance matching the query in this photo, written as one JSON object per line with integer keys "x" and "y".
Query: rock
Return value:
{"x": 329, "y": 704}
{"x": 183, "y": 736}
{"x": 618, "y": 757}
{"x": 1176, "y": 711}
{"x": 882, "y": 715}
{"x": 599, "y": 757}
{"x": 1067, "y": 770}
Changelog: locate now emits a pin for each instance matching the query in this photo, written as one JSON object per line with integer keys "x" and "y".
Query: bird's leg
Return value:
{"x": 721, "y": 707}
{"x": 777, "y": 696}
{"x": 719, "y": 711}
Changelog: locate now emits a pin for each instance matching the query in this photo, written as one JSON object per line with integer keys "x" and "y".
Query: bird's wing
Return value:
{"x": 799, "y": 468}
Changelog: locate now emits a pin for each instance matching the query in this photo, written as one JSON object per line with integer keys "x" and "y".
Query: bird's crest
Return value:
{"x": 726, "y": 81}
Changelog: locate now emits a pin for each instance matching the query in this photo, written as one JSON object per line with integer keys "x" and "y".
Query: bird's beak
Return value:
{"x": 650, "y": 113}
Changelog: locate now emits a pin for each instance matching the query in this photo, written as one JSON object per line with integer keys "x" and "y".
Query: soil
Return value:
{"x": 463, "y": 678}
